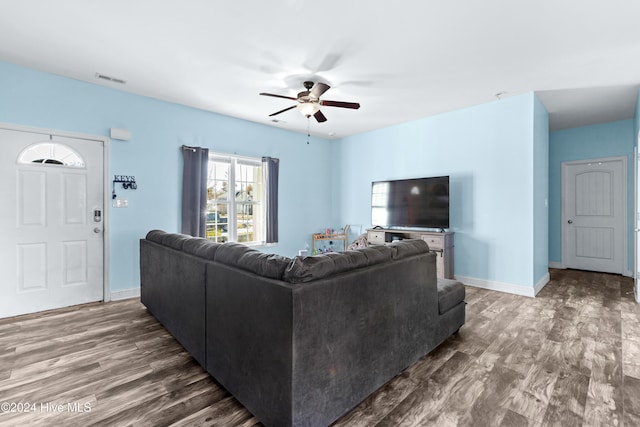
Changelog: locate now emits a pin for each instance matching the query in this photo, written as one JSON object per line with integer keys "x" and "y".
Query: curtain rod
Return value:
{"x": 186, "y": 147}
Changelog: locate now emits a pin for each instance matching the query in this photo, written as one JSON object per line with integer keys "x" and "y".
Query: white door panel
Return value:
{"x": 594, "y": 215}
{"x": 50, "y": 254}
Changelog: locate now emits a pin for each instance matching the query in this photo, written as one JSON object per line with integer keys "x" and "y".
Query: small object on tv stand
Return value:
{"x": 393, "y": 237}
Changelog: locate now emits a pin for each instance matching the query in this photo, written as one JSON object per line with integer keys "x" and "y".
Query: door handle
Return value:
{"x": 97, "y": 230}
{"x": 570, "y": 221}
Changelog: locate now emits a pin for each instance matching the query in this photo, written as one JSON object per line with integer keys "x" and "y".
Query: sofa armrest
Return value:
{"x": 172, "y": 289}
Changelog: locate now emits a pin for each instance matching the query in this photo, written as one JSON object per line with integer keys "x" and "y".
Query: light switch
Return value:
{"x": 120, "y": 203}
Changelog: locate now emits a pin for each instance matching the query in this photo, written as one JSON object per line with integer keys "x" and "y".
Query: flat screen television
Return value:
{"x": 418, "y": 202}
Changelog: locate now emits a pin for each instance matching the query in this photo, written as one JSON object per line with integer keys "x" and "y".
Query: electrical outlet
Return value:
{"x": 120, "y": 203}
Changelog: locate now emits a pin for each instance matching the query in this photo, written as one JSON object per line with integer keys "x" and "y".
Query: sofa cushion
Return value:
{"x": 156, "y": 235}
{"x": 175, "y": 240}
{"x": 201, "y": 247}
{"x": 376, "y": 254}
{"x": 306, "y": 269}
{"x": 408, "y": 247}
{"x": 450, "y": 294}
{"x": 249, "y": 259}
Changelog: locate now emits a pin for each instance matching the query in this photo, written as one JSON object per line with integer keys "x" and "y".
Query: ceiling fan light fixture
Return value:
{"x": 308, "y": 109}
{"x": 308, "y": 101}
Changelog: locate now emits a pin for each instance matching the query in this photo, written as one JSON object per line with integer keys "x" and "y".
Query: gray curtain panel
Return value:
{"x": 194, "y": 190}
{"x": 271, "y": 166}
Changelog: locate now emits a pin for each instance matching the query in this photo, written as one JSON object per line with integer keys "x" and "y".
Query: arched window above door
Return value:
{"x": 51, "y": 153}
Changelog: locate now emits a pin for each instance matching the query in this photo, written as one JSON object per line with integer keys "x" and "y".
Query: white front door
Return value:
{"x": 51, "y": 221}
{"x": 594, "y": 214}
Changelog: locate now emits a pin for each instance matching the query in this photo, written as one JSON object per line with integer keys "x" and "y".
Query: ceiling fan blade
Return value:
{"x": 282, "y": 111}
{"x": 320, "y": 117}
{"x": 319, "y": 89}
{"x": 279, "y": 96}
{"x": 353, "y": 105}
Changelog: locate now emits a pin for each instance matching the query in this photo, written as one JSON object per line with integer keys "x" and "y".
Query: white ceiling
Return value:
{"x": 400, "y": 60}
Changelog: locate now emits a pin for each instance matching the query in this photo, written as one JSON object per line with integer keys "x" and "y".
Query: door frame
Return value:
{"x": 636, "y": 221}
{"x": 625, "y": 220}
{"x": 106, "y": 190}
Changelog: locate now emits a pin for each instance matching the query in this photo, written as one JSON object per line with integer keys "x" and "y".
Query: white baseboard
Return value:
{"x": 527, "y": 291}
{"x": 541, "y": 284}
{"x": 125, "y": 294}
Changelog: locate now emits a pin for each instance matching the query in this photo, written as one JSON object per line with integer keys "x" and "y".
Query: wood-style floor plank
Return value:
{"x": 570, "y": 356}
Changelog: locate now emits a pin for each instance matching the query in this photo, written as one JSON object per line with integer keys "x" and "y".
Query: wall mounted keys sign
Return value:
{"x": 127, "y": 181}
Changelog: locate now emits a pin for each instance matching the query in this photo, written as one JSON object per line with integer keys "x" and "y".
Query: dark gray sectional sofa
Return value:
{"x": 301, "y": 341}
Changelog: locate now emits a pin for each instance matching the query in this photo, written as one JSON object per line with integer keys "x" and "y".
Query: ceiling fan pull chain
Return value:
{"x": 308, "y": 133}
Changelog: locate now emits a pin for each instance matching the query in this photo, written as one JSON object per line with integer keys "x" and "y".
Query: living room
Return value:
{"x": 503, "y": 161}
{"x": 498, "y": 206}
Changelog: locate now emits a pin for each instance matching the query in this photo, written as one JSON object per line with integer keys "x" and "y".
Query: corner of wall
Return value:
{"x": 540, "y": 192}
{"x": 636, "y": 120}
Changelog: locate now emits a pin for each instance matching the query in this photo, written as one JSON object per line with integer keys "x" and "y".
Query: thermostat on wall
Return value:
{"x": 121, "y": 134}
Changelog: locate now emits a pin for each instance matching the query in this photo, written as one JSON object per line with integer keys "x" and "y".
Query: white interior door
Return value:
{"x": 51, "y": 217}
{"x": 594, "y": 214}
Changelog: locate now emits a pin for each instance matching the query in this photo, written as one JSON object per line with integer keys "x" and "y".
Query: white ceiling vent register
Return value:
{"x": 110, "y": 79}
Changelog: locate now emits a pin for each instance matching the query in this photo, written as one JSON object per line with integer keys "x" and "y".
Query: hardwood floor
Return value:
{"x": 569, "y": 357}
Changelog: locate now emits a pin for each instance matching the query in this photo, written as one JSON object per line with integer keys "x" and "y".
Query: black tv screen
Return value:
{"x": 419, "y": 202}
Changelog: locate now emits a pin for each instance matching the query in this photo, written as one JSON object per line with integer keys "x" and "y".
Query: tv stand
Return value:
{"x": 439, "y": 242}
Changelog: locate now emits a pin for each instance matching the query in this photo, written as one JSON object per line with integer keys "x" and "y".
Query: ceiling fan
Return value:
{"x": 309, "y": 101}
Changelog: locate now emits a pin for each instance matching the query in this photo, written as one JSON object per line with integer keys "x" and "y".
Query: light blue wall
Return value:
{"x": 588, "y": 142}
{"x": 158, "y": 129}
{"x": 489, "y": 153}
{"x": 540, "y": 192}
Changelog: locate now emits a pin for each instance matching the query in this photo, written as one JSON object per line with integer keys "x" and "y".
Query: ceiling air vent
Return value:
{"x": 110, "y": 79}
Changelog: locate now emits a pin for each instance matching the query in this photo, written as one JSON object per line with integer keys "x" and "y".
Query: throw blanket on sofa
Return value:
{"x": 360, "y": 242}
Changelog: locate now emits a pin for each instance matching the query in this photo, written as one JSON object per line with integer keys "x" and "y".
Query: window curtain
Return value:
{"x": 194, "y": 190}
{"x": 270, "y": 168}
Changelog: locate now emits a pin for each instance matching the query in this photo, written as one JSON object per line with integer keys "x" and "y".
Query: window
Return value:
{"x": 235, "y": 199}
{"x": 51, "y": 153}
